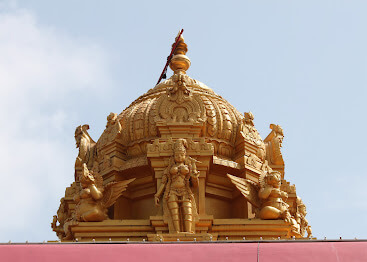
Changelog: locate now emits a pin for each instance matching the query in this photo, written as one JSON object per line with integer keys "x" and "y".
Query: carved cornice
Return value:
{"x": 162, "y": 147}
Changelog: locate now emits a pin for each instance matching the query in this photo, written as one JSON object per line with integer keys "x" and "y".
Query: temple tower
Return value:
{"x": 180, "y": 162}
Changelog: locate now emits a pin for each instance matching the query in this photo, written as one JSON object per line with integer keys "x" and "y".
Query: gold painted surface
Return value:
{"x": 180, "y": 162}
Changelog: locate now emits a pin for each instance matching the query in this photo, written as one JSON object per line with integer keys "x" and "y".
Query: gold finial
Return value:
{"x": 179, "y": 61}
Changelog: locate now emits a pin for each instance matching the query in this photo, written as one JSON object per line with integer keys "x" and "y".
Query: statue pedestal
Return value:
{"x": 207, "y": 229}
{"x": 253, "y": 229}
{"x": 182, "y": 237}
{"x": 114, "y": 230}
{"x": 202, "y": 225}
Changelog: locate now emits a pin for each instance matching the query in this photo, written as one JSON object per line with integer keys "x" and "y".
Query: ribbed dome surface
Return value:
{"x": 139, "y": 120}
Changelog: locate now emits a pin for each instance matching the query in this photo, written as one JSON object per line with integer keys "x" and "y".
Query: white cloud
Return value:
{"x": 44, "y": 75}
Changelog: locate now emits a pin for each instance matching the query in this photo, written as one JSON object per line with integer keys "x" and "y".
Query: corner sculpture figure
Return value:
{"x": 86, "y": 147}
{"x": 94, "y": 198}
{"x": 268, "y": 199}
{"x": 61, "y": 217}
{"x": 301, "y": 218}
{"x": 274, "y": 144}
{"x": 176, "y": 186}
{"x": 274, "y": 204}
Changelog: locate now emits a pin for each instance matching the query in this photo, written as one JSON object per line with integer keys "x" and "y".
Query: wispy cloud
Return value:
{"x": 44, "y": 75}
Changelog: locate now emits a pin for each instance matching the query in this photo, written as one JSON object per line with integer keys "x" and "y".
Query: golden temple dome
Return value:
{"x": 180, "y": 162}
{"x": 181, "y": 99}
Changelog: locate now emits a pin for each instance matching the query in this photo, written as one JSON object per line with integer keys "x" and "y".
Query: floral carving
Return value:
{"x": 179, "y": 104}
{"x": 211, "y": 116}
{"x": 179, "y": 91}
{"x": 227, "y": 122}
{"x": 160, "y": 146}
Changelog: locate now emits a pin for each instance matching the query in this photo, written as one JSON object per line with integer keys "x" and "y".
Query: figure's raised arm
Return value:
{"x": 265, "y": 192}
{"x": 194, "y": 175}
{"x": 95, "y": 192}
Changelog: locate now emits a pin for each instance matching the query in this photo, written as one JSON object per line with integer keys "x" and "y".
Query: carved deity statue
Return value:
{"x": 175, "y": 184}
{"x": 274, "y": 204}
{"x": 86, "y": 147}
{"x": 94, "y": 198}
{"x": 268, "y": 200}
{"x": 65, "y": 218}
{"x": 301, "y": 218}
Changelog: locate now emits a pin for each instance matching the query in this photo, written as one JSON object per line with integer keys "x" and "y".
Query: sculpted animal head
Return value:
{"x": 80, "y": 133}
{"x": 279, "y": 134}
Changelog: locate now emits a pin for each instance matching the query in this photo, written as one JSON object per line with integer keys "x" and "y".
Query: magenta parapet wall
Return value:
{"x": 300, "y": 251}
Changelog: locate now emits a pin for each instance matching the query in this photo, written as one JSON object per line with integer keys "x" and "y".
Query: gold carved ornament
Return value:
{"x": 94, "y": 198}
{"x": 267, "y": 197}
{"x": 86, "y": 147}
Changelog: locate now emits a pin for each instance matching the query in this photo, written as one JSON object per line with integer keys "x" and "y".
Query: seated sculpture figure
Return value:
{"x": 274, "y": 204}
{"x": 176, "y": 186}
{"x": 269, "y": 201}
{"x": 94, "y": 198}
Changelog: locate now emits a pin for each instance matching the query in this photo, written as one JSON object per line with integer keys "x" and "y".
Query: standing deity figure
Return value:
{"x": 301, "y": 218}
{"x": 176, "y": 186}
{"x": 94, "y": 198}
{"x": 273, "y": 200}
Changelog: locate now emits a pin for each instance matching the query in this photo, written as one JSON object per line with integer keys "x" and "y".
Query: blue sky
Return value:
{"x": 300, "y": 64}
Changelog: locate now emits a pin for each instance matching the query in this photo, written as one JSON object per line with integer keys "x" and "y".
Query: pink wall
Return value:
{"x": 282, "y": 251}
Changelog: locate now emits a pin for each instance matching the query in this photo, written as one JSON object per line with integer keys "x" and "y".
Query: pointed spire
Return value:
{"x": 180, "y": 62}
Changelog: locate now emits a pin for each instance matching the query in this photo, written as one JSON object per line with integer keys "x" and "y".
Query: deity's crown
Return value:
{"x": 180, "y": 145}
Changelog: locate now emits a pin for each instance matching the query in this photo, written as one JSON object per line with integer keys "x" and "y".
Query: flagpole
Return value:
{"x": 170, "y": 57}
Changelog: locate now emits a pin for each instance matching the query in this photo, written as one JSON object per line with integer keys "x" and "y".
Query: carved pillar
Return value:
{"x": 201, "y": 194}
